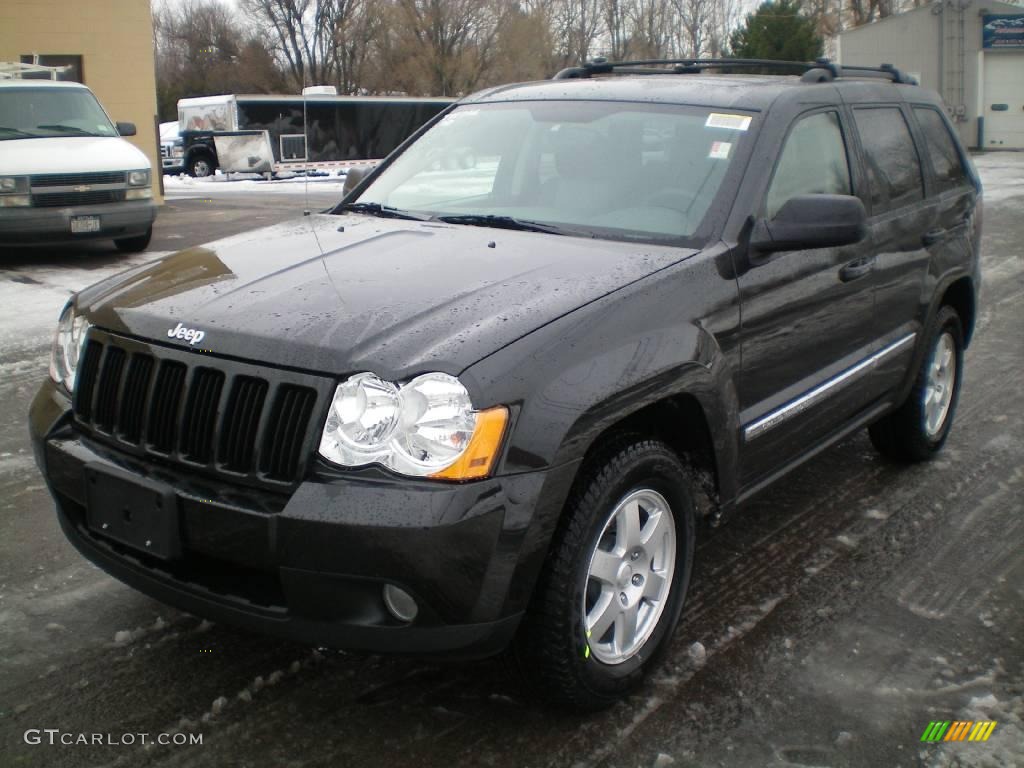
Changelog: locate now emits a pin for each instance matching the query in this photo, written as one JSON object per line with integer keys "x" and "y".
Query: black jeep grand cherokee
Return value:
{"x": 484, "y": 401}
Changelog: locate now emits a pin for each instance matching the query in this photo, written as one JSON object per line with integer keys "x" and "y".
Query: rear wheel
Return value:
{"x": 134, "y": 244}
{"x": 919, "y": 427}
{"x": 613, "y": 589}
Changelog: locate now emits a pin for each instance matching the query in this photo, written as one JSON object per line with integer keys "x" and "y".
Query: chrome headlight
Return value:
{"x": 426, "y": 427}
{"x": 67, "y": 347}
{"x": 14, "y": 192}
{"x": 12, "y": 185}
{"x": 138, "y": 178}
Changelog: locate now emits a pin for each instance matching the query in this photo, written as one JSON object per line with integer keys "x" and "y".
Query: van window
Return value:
{"x": 945, "y": 159}
{"x": 894, "y": 171}
{"x": 813, "y": 162}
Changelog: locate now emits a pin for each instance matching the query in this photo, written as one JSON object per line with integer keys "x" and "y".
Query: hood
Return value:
{"x": 70, "y": 154}
{"x": 389, "y": 296}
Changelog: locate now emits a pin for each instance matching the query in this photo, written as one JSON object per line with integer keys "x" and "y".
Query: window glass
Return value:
{"x": 600, "y": 169}
{"x": 813, "y": 162}
{"x": 949, "y": 170}
{"x": 894, "y": 171}
{"x": 45, "y": 112}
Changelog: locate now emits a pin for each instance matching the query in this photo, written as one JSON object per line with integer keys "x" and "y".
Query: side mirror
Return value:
{"x": 812, "y": 221}
{"x": 126, "y": 129}
{"x": 355, "y": 175}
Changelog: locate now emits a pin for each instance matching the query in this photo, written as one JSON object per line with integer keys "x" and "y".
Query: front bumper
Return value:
{"x": 172, "y": 165}
{"x": 311, "y": 565}
{"x": 52, "y": 226}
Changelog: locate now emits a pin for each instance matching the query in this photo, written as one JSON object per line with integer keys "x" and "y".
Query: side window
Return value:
{"x": 949, "y": 169}
{"x": 894, "y": 172}
{"x": 813, "y": 162}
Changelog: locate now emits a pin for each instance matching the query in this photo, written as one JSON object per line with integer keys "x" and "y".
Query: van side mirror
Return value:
{"x": 126, "y": 129}
{"x": 812, "y": 221}
{"x": 355, "y": 175}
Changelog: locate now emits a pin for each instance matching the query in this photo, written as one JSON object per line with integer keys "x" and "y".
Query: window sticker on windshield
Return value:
{"x": 729, "y": 122}
{"x": 720, "y": 150}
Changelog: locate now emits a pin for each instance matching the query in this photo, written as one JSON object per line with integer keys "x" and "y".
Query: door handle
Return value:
{"x": 857, "y": 269}
{"x": 933, "y": 236}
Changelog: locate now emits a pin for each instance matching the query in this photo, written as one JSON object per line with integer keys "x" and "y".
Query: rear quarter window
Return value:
{"x": 894, "y": 170}
{"x": 941, "y": 150}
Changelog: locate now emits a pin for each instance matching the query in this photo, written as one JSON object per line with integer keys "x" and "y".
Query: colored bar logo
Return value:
{"x": 958, "y": 730}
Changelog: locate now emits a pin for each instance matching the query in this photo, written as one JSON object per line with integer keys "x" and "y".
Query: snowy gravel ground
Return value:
{"x": 828, "y": 623}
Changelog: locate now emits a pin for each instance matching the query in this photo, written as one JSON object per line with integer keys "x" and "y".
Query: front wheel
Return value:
{"x": 616, "y": 579}
{"x": 200, "y": 166}
{"x": 918, "y": 428}
{"x": 134, "y": 244}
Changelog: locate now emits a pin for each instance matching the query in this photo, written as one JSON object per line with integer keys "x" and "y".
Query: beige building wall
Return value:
{"x": 114, "y": 39}
{"x": 935, "y": 46}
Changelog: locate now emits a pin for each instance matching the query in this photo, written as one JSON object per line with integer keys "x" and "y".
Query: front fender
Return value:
{"x": 672, "y": 333}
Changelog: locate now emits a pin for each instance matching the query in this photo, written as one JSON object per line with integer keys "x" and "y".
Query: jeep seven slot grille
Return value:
{"x": 208, "y": 415}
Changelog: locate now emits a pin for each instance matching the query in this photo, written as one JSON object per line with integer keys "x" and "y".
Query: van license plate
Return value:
{"x": 82, "y": 224}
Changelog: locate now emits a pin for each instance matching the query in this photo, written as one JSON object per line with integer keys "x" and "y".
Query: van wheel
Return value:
{"x": 917, "y": 429}
{"x": 200, "y": 166}
{"x": 134, "y": 244}
{"x": 616, "y": 578}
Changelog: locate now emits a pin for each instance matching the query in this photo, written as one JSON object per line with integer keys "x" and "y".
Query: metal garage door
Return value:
{"x": 1004, "y": 100}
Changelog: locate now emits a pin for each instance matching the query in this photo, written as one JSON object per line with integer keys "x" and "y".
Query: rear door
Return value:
{"x": 901, "y": 222}
{"x": 806, "y": 315}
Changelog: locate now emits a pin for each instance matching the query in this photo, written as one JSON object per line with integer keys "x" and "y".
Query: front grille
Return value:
{"x": 227, "y": 418}
{"x": 165, "y": 151}
{"x": 64, "y": 199}
{"x": 74, "y": 179}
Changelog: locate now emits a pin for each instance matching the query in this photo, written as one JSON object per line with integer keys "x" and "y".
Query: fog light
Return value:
{"x": 400, "y": 603}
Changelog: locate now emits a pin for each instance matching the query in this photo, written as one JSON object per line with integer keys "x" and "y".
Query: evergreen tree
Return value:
{"x": 777, "y": 30}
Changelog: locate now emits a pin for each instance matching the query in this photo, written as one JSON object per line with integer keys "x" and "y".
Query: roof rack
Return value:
{"x": 817, "y": 71}
{"x": 12, "y": 70}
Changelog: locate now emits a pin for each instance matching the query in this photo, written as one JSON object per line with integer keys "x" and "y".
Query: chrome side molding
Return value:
{"x": 814, "y": 396}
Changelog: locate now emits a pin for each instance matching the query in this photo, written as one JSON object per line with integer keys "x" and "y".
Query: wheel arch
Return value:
{"x": 961, "y": 295}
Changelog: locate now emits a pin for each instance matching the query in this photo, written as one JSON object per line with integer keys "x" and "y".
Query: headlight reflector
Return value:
{"x": 67, "y": 347}
{"x": 138, "y": 178}
{"x": 424, "y": 428}
{"x": 10, "y": 185}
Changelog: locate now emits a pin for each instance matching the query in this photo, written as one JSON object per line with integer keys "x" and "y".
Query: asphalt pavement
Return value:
{"x": 829, "y": 622}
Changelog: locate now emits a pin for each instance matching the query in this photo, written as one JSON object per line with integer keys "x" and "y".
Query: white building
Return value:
{"x": 972, "y": 53}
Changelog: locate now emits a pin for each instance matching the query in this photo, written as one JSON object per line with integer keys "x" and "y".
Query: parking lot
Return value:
{"x": 829, "y": 622}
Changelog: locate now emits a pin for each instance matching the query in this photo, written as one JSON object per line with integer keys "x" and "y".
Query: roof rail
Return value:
{"x": 12, "y": 70}
{"x": 817, "y": 71}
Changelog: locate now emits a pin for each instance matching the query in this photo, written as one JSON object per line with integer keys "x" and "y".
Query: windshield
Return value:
{"x": 36, "y": 113}
{"x": 603, "y": 169}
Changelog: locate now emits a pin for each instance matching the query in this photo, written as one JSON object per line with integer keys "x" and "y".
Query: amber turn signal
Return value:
{"x": 483, "y": 449}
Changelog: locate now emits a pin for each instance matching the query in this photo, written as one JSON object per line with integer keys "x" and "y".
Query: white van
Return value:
{"x": 66, "y": 175}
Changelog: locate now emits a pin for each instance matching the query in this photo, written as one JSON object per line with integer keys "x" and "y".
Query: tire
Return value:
{"x": 555, "y": 653}
{"x": 200, "y": 166}
{"x": 134, "y": 244}
{"x": 919, "y": 427}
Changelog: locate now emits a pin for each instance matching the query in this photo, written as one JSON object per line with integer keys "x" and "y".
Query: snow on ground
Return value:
{"x": 231, "y": 183}
{"x": 1002, "y": 175}
{"x": 32, "y": 296}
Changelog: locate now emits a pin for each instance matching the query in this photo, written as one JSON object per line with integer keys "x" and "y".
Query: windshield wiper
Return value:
{"x": 59, "y": 127}
{"x": 383, "y": 211}
{"x": 18, "y": 133}
{"x": 500, "y": 222}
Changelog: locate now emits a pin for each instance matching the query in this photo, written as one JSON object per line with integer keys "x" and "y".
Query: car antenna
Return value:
{"x": 305, "y": 141}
